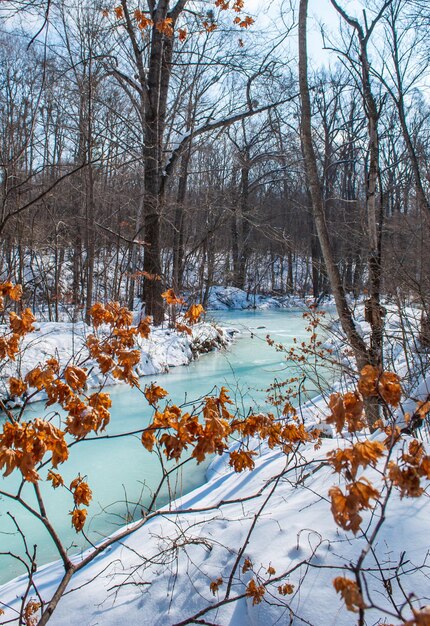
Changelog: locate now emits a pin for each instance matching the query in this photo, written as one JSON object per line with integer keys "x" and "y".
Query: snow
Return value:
{"x": 164, "y": 348}
{"x": 228, "y": 298}
{"x": 161, "y": 573}
{"x": 277, "y": 515}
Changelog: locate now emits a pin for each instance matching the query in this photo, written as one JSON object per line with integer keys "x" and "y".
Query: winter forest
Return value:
{"x": 215, "y": 312}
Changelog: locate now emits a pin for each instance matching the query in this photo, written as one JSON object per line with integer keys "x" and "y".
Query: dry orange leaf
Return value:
{"x": 79, "y": 517}
{"x": 82, "y": 494}
{"x": 183, "y": 328}
{"x": 242, "y": 460}
{"x": 215, "y": 585}
{"x": 17, "y": 386}
{"x": 76, "y": 377}
{"x": 171, "y": 298}
{"x": 15, "y": 293}
{"x": 154, "y": 392}
{"x": 256, "y": 592}
{"x": 350, "y": 593}
{"x": 56, "y": 479}
{"x": 30, "y": 610}
{"x": 194, "y": 313}
{"x": 144, "y": 328}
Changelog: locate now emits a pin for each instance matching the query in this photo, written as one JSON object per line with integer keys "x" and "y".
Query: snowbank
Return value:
{"x": 162, "y": 573}
{"x": 164, "y": 348}
{"x": 233, "y": 298}
{"x": 277, "y": 516}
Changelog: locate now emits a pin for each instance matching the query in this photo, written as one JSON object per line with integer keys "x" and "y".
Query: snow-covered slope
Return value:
{"x": 273, "y": 525}
{"x": 161, "y": 574}
{"x": 233, "y": 298}
{"x": 65, "y": 341}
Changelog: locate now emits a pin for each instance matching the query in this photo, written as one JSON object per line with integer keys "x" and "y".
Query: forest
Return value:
{"x": 240, "y": 178}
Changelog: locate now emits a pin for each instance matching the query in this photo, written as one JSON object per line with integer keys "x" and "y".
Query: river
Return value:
{"x": 121, "y": 473}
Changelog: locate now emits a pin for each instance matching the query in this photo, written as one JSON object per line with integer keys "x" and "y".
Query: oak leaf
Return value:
{"x": 256, "y": 592}
{"x": 286, "y": 589}
{"x": 350, "y": 593}
{"x": 148, "y": 439}
{"x": 82, "y": 494}
{"x": 241, "y": 460}
{"x": 247, "y": 565}
{"x": 17, "y": 386}
{"x": 144, "y": 328}
{"x": 171, "y": 298}
{"x": 79, "y": 517}
{"x": 76, "y": 377}
{"x": 15, "y": 293}
{"x": 56, "y": 479}
{"x": 154, "y": 392}
{"x": 30, "y": 610}
{"x": 194, "y": 313}
{"x": 183, "y": 328}
{"x": 215, "y": 585}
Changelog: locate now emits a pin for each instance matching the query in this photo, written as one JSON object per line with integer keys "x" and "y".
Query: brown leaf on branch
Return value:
{"x": 30, "y": 611}
{"x": 350, "y": 593}
{"x": 23, "y": 446}
{"x": 256, "y": 592}
{"x": 22, "y": 324}
{"x": 241, "y": 460}
{"x": 346, "y": 508}
{"x": 15, "y": 293}
{"x": 389, "y": 388}
{"x": 194, "y": 313}
{"x": 56, "y": 479}
{"x": 154, "y": 392}
{"x": 144, "y": 328}
{"x": 148, "y": 440}
{"x": 79, "y": 517}
{"x": 373, "y": 382}
{"x": 362, "y": 454}
{"x": 215, "y": 585}
{"x": 82, "y": 494}
{"x": 346, "y": 409}
{"x": 75, "y": 377}
{"x": 183, "y": 328}
{"x": 171, "y": 298}
{"x": 17, "y": 387}
{"x": 247, "y": 565}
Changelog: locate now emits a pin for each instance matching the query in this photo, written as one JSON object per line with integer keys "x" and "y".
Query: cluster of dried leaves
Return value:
{"x": 208, "y": 430}
{"x": 166, "y": 26}
{"x": 205, "y": 431}
{"x": 405, "y": 474}
{"x": 25, "y": 444}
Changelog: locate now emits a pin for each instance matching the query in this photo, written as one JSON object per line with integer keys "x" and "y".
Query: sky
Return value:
{"x": 320, "y": 13}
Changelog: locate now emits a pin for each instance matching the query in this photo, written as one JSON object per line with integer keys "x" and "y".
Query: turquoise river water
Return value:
{"x": 121, "y": 473}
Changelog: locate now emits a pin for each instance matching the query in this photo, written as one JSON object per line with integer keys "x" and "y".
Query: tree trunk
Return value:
{"x": 345, "y": 316}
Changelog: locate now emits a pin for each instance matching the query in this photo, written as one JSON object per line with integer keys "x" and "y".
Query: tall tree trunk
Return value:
{"x": 178, "y": 233}
{"x": 343, "y": 310}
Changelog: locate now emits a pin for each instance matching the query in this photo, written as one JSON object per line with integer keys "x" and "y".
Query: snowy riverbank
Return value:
{"x": 273, "y": 525}
{"x": 161, "y": 574}
{"x": 164, "y": 348}
{"x": 232, "y": 298}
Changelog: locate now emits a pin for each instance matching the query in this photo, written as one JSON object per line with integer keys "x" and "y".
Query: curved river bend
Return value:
{"x": 121, "y": 473}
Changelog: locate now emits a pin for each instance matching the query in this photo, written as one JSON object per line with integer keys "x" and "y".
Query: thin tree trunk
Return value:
{"x": 343, "y": 310}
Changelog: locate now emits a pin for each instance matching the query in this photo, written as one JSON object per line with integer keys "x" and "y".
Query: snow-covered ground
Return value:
{"x": 161, "y": 574}
{"x": 164, "y": 348}
{"x": 233, "y": 298}
{"x": 273, "y": 525}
